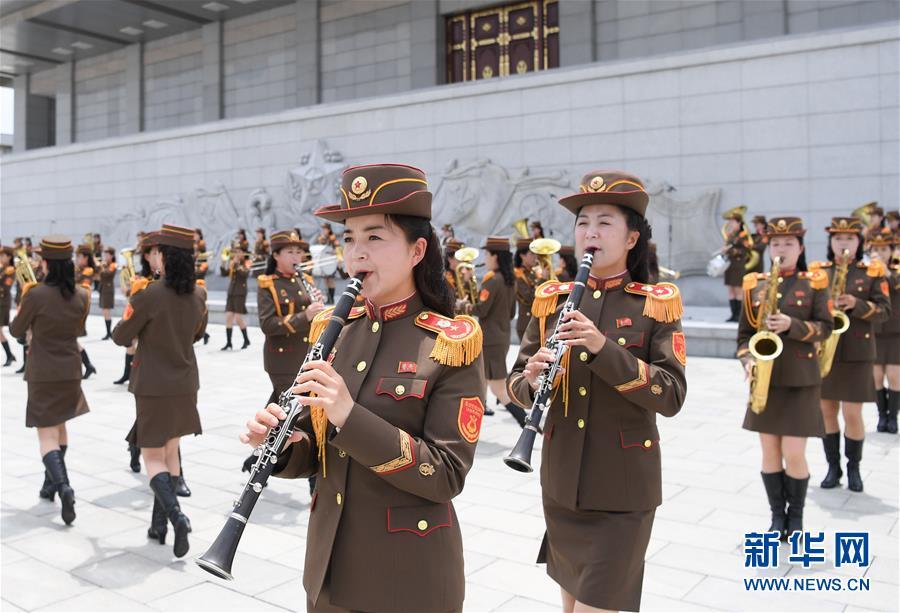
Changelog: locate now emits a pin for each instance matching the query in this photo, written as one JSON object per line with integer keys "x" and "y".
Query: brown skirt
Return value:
{"x": 790, "y": 411}
{"x": 236, "y": 304}
{"x": 597, "y": 556}
{"x": 51, "y": 403}
{"x": 495, "y": 361}
{"x": 160, "y": 418}
{"x": 734, "y": 274}
{"x": 521, "y": 324}
{"x": 850, "y": 381}
{"x": 887, "y": 349}
{"x": 107, "y": 298}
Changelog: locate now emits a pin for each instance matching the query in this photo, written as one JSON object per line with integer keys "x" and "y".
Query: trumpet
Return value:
{"x": 328, "y": 259}
{"x": 765, "y": 345}
{"x": 668, "y": 273}
{"x": 466, "y": 290}
{"x": 545, "y": 248}
{"x": 841, "y": 320}
{"x": 24, "y": 271}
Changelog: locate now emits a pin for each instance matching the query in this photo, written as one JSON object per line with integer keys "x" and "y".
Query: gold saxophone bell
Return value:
{"x": 841, "y": 320}
{"x": 765, "y": 345}
{"x": 521, "y": 227}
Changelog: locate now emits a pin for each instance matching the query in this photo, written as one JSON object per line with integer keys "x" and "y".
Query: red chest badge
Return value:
{"x": 679, "y": 347}
{"x": 624, "y": 322}
{"x": 405, "y": 367}
{"x": 471, "y": 412}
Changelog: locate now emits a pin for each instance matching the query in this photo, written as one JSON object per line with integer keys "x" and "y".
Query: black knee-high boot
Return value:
{"x": 10, "y": 358}
{"x": 181, "y": 488}
{"x": 88, "y": 367}
{"x": 135, "y": 460}
{"x": 159, "y": 523}
{"x": 164, "y": 489}
{"x": 227, "y": 339}
{"x": 517, "y": 412}
{"x": 853, "y": 453}
{"x": 246, "y": 338}
{"x": 56, "y": 468}
{"x": 735, "y": 306}
{"x": 330, "y": 295}
{"x": 775, "y": 492}
{"x": 24, "y": 359}
{"x": 108, "y": 323}
{"x": 881, "y": 401}
{"x": 48, "y": 490}
{"x": 796, "y": 499}
{"x": 126, "y": 375}
{"x": 893, "y": 406}
{"x": 832, "y": 445}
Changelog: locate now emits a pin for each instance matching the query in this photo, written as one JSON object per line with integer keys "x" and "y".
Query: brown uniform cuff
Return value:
{"x": 373, "y": 442}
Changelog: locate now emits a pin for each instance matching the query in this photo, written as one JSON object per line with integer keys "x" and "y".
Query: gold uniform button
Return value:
{"x": 339, "y": 498}
{"x": 361, "y": 366}
{"x": 581, "y": 424}
{"x": 778, "y": 295}
{"x": 809, "y": 355}
{"x": 342, "y": 454}
{"x": 582, "y": 391}
{"x": 280, "y": 349}
{"x": 621, "y": 341}
{"x": 867, "y": 335}
{"x": 597, "y": 294}
{"x": 799, "y": 303}
{"x": 426, "y": 469}
{"x": 422, "y": 525}
{"x": 399, "y": 390}
{"x": 648, "y": 443}
{"x": 583, "y": 356}
{"x": 305, "y": 339}
{"x": 375, "y": 326}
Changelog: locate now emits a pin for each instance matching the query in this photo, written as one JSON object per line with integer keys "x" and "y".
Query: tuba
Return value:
{"x": 466, "y": 291}
{"x": 841, "y": 320}
{"x": 126, "y": 275}
{"x": 521, "y": 227}
{"x": 545, "y": 248}
{"x": 24, "y": 272}
{"x": 765, "y": 345}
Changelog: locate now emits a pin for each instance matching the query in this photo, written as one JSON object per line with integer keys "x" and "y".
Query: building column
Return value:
{"x": 134, "y": 88}
{"x": 309, "y": 53}
{"x": 21, "y": 86}
{"x": 213, "y": 105}
{"x": 426, "y": 44}
{"x": 65, "y": 103}
{"x": 577, "y": 33}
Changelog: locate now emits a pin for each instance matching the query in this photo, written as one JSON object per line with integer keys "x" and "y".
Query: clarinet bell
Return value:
{"x": 520, "y": 457}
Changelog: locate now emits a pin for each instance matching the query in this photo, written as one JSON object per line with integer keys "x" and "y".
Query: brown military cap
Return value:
{"x": 759, "y": 219}
{"x": 56, "y": 248}
{"x": 287, "y": 238}
{"x": 523, "y": 243}
{"x": 10, "y": 251}
{"x": 884, "y": 238}
{"x": 496, "y": 243}
{"x": 149, "y": 240}
{"x": 85, "y": 249}
{"x": 845, "y": 225}
{"x": 453, "y": 245}
{"x": 785, "y": 226}
{"x": 391, "y": 189}
{"x": 892, "y": 215}
{"x": 176, "y": 236}
{"x": 609, "y": 187}
{"x": 567, "y": 250}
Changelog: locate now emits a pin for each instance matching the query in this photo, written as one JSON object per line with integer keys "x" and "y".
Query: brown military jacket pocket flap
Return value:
{"x": 398, "y": 388}
{"x": 644, "y": 437}
{"x": 625, "y": 338}
{"x": 421, "y": 520}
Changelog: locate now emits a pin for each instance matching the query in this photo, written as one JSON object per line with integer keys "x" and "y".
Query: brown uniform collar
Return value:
{"x": 609, "y": 283}
{"x": 411, "y": 305}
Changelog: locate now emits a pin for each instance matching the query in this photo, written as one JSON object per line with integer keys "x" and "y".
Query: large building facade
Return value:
{"x": 237, "y": 113}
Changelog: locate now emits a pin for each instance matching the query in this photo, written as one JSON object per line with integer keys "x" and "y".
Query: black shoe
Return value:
{"x": 88, "y": 371}
{"x": 48, "y": 490}
{"x": 164, "y": 489}
{"x": 108, "y": 336}
{"x": 205, "y": 338}
{"x": 227, "y": 339}
{"x": 135, "y": 462}
{"x": 796, "y": 499}
{"x": 126, "y": 374}
{"x": 881, "y": 401}
{"x": 832, "y": 445}
{"x": 893, "y": 406}
{"x": 226, "y": 347}
{"x": 246, "y": 338}
{"x": 775, "y": 491}
{"x": 518, "y": 413}
{"x": 853, "y": 453}
{"x": 735, "y": 306}
{"x": 181, "y": 488}
{"x": 488, "y": 411}
{"x": 24, "y": 360}
{"x": 56, "y": 468}
{"x": 159, "y": 524}
{"x": 9, "y": 360}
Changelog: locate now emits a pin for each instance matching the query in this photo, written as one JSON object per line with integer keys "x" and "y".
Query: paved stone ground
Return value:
{"x": 712, "y": 492}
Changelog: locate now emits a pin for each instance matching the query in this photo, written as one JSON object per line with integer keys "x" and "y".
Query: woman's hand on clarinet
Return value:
{"x": 320, "y": 378}
{"x": 577, "y": 329}
{"x": 262, "y": 422}
{"x": 537, "y": 364}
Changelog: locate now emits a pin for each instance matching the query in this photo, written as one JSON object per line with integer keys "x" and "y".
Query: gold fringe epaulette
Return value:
{"x": 819, "y": 264}
{"x": 876, "y": 268}
{"x": 138, "y": 284}
{"x": 546, "y": 297}
{"x": 264, "y": 281}
{"x": 818, "y": 279}
{"x": 320, "y": 321}
{"x": 459, "y": 338}
{"x": 87, "y": 271}
{"x": 9, "y": 270}
{"x": 201, "y": 283}
{"x": 751, "y": 280}
{"x": 663, "y": 300}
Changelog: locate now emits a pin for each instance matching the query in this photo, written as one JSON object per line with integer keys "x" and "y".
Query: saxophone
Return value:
{"x": 765, "y": 345}
{"x": 841, "y": 320}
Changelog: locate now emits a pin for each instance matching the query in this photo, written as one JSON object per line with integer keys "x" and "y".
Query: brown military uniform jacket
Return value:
{"x": 495, "y": 309}
{"x": 281, "y": 303}
{"x": 602, "y": 451}
{"x": 166, "y": 325}
{"x": 803, "y": 297}
{"x": 525, "y": 284}
{"x": 760, "y": 243}
{"x": 381, "y": 519}
{"x": 891, "y": 326}
{"x": 7, "y": 279}
{"x": 107, "y": 282}
{"x": 56, "y": 324}
{"x": 237, "y": 284}
{"x": 873, "y": 305}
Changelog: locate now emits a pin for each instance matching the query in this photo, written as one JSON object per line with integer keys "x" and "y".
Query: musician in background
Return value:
{"x": 402, "y": 403}
{"x": 201, "y": 265}
{"x": 324, "y": 274}
{"x": 237, "y": 270}
{"x": 54, "y": 311}
{"x": 876, "y": 221}
{"x": 791, "y": 414}
{"x": 527, "y": 278}
{"x": 7, "y": 279}
{"x": 760, "y": 242}
{"x": 167, "y": 318}
{"x": 107, "y": 288}
{"x": 865, "y": 300}
{"x": 241, "y": 239}
{"x": 84, "y": 276}
{"x": 451, "y": 246}
{"x": 737, "y": 247}
{"x": 887, "y": 339}
{"x": 600, "y": 467}
{"x": 568, "y": 265}
{"x": 536, "y": 229}
{"x": 260, "y": 246}
{"x": 447, "y": 235}
{"x": 97, "y": 244}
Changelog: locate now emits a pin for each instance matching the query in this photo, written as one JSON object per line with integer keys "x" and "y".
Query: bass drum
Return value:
{"x": 318, "y": 252}
{"x": 717, "y": 265}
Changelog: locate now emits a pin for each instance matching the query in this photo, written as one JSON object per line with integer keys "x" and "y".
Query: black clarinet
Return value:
{"x": 219, "y": 557}
{"x": 520, "y": 457}
{"x": 314, "y": 294}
